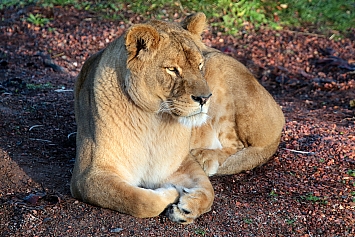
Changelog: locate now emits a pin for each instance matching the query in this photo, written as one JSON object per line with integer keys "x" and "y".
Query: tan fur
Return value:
{"x": 245, "y": 122}
{"x": 135, "y": 104}
{"x": 141, "y": 105}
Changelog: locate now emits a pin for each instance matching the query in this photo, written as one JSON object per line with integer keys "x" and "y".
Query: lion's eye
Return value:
{"x": 172, "y": 70}
{"x": 200, "y": 66}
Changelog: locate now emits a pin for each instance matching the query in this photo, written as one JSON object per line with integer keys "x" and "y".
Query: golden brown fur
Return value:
{"x": 245, "y": 122}
{"x": 146, "y": 138}
{"x": 135, "y": 104}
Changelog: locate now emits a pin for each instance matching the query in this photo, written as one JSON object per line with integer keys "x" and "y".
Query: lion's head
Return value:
{"x": 166, "y": 69}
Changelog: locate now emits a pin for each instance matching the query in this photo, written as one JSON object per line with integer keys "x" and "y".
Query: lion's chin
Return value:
{"x": 195, "y": 120}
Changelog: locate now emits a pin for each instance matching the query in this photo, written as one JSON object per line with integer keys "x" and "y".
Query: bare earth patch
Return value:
{"x": 308, "y": 189}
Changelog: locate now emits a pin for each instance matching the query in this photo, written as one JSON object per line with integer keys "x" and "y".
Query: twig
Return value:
{"x": 71, "y": 134}
{"x": 41, "y": 140}
{"x": 35, "y": 126}
{"x": 347, "y": 119}
{"x": 58, "y": 55}
{"x": 302, "y": 152}
{"x": 64, "y": 90}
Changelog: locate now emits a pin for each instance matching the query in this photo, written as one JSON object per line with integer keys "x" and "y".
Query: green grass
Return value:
{"x": 314, "y": 199}
{"x": 248, "y": 221}
{"x": 200, "y": 232}
{"x": 290, "y": 221}
{"x": 37, "y": 19}
{"x": 273, "y": 194}
{"x": 321, "y": 14}
{"x": 230, "y": 16}
{"x": 351, "y": 173}
{"x": 32, "y": 86}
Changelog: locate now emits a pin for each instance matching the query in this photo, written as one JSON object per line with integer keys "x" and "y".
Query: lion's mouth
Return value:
{"x": 194, "y": 120}
{"x": 195, "y": 117}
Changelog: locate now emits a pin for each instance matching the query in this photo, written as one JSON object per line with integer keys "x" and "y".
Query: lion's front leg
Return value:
{"x": 109, "y": 190}
{"x": 196, "y": 193}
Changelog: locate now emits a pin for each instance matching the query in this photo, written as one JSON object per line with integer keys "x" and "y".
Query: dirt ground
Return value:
{"x": 307, "y": 189}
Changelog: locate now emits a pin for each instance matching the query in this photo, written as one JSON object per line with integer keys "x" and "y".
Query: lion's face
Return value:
{"x": 166, "y": 72}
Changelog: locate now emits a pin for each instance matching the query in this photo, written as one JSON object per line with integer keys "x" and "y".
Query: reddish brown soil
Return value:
{"x": 306, "y": 193}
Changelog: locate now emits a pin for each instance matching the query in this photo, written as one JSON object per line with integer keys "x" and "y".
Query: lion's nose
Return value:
{"x": 201, "y": 99}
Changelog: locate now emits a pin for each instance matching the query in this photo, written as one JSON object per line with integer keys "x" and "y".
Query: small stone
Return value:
{"x": 116, "y": 230}
{"x": 48, "y": 219}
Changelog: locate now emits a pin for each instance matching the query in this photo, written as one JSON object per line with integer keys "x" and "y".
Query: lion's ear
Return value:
{"x": 195, "y": 23}
{"x": 141, "y": 40}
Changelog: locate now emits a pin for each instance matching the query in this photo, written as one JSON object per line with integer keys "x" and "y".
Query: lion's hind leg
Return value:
{"x": 247, "y": 159}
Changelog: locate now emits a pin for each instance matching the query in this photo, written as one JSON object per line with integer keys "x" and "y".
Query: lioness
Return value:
{"x": 145, "y": 136}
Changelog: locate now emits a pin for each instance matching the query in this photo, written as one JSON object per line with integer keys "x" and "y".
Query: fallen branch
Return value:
{"x": 64, "y": 90}
{"x": 348, "y": 119}
{"x": 41, "y": 140}
{"x": 35, "y": 126}
{"x": 58, "y": 55}
{"x": 71, "y": 134}
{"x": 48, "y": 62}
{"x": 302, "y": 152}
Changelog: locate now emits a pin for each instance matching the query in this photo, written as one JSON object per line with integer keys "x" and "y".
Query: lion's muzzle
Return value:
{"x": 201, "y": 99}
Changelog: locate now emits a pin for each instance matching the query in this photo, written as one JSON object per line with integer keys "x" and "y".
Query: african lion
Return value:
{"x": 142, "y": 104}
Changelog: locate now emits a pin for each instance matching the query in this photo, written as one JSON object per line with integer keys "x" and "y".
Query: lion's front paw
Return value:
{"x": 208, "y": 162}
{"x": 191, "y": 205}
{"x": 180, "y": 214}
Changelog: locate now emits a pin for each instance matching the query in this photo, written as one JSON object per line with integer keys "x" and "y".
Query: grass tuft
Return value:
{"x": 231, "y": 16}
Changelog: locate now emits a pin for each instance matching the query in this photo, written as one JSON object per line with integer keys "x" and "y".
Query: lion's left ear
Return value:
{"x": 141, "y": 41}
{"x": 195, "y": 23}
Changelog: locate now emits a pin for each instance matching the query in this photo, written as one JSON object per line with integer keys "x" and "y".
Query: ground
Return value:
{"x": 307, "y": 189}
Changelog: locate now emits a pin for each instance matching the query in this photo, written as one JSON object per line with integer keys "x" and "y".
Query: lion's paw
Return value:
{"x": 179, "y": 214}
{"x": 211, "y": 167}
{"x": 188, "y": 208}
{"x": 207, "y": 161}
{"x": 182, "y": 212}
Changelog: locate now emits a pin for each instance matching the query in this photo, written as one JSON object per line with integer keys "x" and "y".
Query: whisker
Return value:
{"x": 165, "y": 107}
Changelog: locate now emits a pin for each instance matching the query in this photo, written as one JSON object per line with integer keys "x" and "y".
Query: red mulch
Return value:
{"x": 308, "y": 189}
